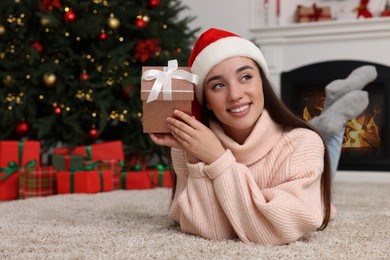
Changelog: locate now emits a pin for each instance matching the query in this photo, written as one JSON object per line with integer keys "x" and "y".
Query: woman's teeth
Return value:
{"x": 240, "y": 109}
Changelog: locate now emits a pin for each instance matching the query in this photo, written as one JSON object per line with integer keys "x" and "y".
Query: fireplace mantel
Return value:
{"x": 291, "y": 46}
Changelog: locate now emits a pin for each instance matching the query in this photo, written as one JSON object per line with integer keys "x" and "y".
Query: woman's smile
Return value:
{"x": 239, "y": 111}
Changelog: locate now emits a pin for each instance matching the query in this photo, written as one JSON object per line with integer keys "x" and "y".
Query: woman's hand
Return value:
{"x": 194, "y": 137}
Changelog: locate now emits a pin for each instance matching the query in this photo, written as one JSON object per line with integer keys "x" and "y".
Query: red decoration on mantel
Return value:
{"x": 362, "y": 10}
{"x": 386, "y": 11}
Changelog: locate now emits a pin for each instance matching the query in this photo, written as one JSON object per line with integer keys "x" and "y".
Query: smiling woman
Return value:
{"x": 234, "y": 92}
{"x": 248, "y": 167}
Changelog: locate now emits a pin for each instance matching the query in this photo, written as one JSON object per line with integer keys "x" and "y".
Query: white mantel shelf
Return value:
{"x": 326, "y": 30}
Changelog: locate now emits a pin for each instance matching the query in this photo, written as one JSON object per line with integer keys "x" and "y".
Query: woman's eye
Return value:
{"x": 246, "y": 77}
{"x": 217, "y": 86}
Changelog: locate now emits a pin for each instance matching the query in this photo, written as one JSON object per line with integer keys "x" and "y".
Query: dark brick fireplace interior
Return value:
{"x": 366, "y": 143}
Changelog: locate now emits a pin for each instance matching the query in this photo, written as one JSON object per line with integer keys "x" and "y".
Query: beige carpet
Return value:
{"x": 133, "y": 225}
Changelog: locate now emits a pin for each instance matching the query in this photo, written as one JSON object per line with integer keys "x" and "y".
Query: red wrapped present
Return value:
{"x": 84, "y": 181}
{"x": 13, "y": 155}
{"x": 96, "y": 152}
{"x": 64, "y": 162}
{"x": 116, "y": 167}
{"x": 37, "y": 181}
{"x": 161, "y": 177}
{"x": 164, "y": 89}
{"x": 19, "y": 152}
{"x": 136, "y": 180}
{"x": 312, "y": 13}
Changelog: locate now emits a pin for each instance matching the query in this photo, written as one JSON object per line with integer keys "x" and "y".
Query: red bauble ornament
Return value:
{"x": 22, "y": 128}
{"x": 140, "y": 23}
{"x": 57, "y": 111}
{"x": 84, "y": 76}
{"x": 154, "y": 3}
{"x": 93, "y": 133}
{"x": 37, "y": 46}
{"x": 103, "y": 36}
{"x": 70, "y": 16}
{"x": 126, "y": 91}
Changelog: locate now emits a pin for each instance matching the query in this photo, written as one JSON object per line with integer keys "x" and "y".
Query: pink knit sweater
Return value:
{"x": 266, "y": 190}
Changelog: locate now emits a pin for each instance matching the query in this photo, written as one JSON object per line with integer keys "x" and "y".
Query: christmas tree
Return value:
{"x": 70, "y": 69}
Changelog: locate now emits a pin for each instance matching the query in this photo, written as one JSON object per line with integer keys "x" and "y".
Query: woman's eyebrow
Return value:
{"x": 216, "y": 77}
{"x": 244, "y": 68}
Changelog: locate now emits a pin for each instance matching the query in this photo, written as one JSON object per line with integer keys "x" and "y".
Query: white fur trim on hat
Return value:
{"x": 220, "y": 50}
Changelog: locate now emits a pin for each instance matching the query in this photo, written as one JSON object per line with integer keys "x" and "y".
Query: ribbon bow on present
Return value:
{"x": 164, "y": 80}
{"x": 14, "y": 167}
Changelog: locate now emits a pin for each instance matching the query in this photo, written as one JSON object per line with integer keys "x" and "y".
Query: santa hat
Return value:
{"x": 214, "y": 46}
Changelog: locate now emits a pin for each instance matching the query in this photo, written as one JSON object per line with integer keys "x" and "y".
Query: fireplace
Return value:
{"x": 366, "y": 144}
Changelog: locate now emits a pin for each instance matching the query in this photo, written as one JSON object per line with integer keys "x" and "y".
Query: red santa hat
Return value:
{"x": 215, "y": 45}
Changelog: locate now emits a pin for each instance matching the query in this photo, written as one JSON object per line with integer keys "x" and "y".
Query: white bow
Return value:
{"x": 164, "y": 80}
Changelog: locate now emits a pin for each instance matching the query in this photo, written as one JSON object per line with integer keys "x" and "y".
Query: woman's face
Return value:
{"x": 234, "y": 92}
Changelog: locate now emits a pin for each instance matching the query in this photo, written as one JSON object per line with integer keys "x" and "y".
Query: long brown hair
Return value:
{"x": 283, "y": 116}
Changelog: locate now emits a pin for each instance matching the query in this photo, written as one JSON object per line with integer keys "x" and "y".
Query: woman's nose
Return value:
{"x": 235, "y": 93}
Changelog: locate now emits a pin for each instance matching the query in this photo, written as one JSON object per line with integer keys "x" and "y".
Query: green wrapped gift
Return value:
{"x": 64, "y": 162}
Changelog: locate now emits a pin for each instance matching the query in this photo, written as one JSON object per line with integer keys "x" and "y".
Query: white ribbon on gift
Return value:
{"x": 164, "y": 80}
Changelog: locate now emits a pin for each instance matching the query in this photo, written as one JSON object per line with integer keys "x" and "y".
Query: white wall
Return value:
{"x": 230, "y": 15}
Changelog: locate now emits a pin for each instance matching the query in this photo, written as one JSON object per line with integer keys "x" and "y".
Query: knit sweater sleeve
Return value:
{"x": 195, "y": 206}
{"x": 289, "y": 206}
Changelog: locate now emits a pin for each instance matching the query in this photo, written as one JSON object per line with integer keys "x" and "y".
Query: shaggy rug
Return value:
{"x": 133, "y": 224}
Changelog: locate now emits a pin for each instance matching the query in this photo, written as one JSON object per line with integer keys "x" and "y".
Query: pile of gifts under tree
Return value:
{"x": 85, "y": 169}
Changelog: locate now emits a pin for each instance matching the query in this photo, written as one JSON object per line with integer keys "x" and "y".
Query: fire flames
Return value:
{"x": 360, "y": 132}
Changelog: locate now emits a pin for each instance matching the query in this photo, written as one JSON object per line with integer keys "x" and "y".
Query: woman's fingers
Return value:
{"x": 189, "y": 120}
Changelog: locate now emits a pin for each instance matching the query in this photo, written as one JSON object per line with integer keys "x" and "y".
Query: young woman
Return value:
{"x": 248, "y": 168}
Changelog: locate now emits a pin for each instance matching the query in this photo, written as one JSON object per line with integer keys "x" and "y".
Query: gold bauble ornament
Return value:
{"x": 49, "y": 79}
{"x": 2, "y": 30}
{"x": 146, "y": 18}
{"x": 8, "y": 80}
{"x": 113, "y": 23}
{"x": 45, "y": 21}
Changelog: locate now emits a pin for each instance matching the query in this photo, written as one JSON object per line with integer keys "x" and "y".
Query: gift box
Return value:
{"x": 96, "y": 152}
{"x": 116, "y": 167}
{"x": 64, "y": 162}
{"x": 19, "y": 152}
{"x": 164, "y": 89}
{"x": 161, "y": 178}
{"x": 37, "y": 181}
{"x": 13, "y": 156}
{"x": 136, "y": 180}
{"x": 84, "y": 181}
{"x": 312, "y": 13}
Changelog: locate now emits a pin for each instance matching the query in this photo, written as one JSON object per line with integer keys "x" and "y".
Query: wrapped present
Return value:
{"x": 84, "y": 181}
{"x": 96, "y": 152}
{"x": 136, "y": 180}
{"x": 312, "y": 13}
{"x": 164, "y": 89}
{"x": 161, "y": 177}
{"x": 37, "y": 181}
{"x": 13, "y": 156}
{"x": 64, "y": 162}
{"x": 19, "y": 152}
{"x": 116, "y": 167}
